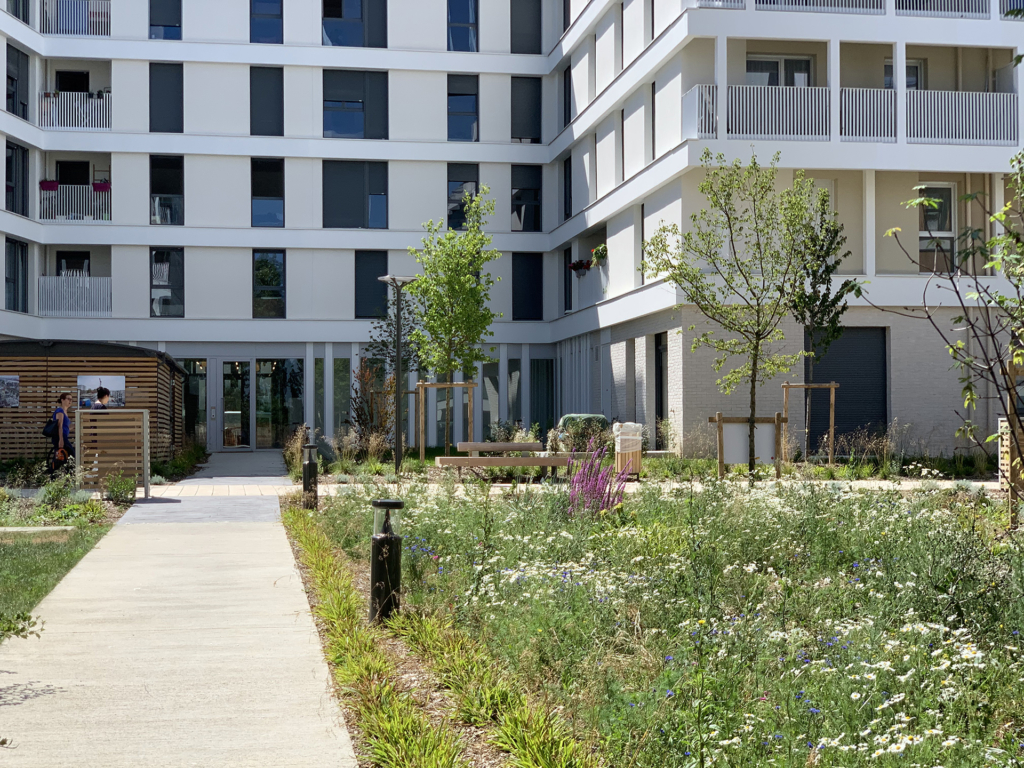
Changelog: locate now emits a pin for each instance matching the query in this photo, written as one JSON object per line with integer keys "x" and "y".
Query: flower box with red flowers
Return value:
{"x": 580, "y": 267}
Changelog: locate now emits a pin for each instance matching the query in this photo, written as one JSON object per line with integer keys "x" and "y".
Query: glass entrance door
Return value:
{"x": 236, "y": 404}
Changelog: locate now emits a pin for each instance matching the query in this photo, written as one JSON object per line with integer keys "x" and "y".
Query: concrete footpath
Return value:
{"x": 183, "y": 639}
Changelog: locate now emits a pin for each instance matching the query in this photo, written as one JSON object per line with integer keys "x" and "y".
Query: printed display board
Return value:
{"x": 10, "y": 391}
{"x": 87, "y": 386}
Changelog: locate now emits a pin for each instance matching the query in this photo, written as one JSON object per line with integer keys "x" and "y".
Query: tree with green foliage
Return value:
{"x": 453, "y": 293}
{"x": 739, "y": 265}
{"x": 819, "y": 303}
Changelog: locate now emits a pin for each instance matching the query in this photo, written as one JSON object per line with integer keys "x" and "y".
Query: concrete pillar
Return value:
{"x": 834, "y": 84}
{"x": 998, "y": 201}
{"x": 329, "y": 391}
{"x": 644, "y": 370}
{"x": 606, "y": 372}
{"x": 524, "y": 386}
{"x": 309, "y": 387}
{"x": 722, "y": 83}
{"x": 458, "y": 423}
{"x": 675, "y": 398}
{"x": 869, "y": 222}
{"x": 899, "y": 78}
{"x": 503, "y": 381}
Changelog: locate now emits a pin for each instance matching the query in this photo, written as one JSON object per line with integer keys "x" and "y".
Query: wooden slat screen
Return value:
{"x": 112, "y": 441}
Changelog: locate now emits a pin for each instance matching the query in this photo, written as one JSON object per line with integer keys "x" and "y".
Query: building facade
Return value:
{"x": 225, "y": 181}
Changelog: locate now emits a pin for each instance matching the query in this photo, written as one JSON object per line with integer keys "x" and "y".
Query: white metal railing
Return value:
{"x": 75, "y": 295}
{"x": 76, "y": 17}
{"x": 955, "y": 9}
{"x": 700, "y": 116}
{"x": 962, "y": 117}
{"x": 823, "y": 6}
{"x": 736, "y": 5}
{"x": 774, "y": 112}
{"x": 68, "y": 111}
{"x": 75, "y": 203}
{"x": 867, "y": 114}
{"x": 1005, "y": 6}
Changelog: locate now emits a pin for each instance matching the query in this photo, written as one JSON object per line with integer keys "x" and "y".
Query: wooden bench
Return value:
{"x": 475, "y": 460}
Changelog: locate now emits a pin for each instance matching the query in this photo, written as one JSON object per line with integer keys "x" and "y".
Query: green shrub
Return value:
{"x": 121, "y": 488}
{"x": 57, "y": 493}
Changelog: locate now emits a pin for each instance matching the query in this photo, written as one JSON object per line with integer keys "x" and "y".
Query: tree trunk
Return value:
{"x": 752, "y": 425}
{"x": 448, "y": 421}
{"x": 808, "y": 393}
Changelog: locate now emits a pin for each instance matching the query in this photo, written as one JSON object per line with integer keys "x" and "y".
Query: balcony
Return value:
{"x": 778, "y": 113}
{"x": 700, "y": 113}
{"x": 950, "y": 9}
{"x": 75, "y": 295}
{"x": 962, "y": 117}
{"x": 76, "y": 17}
{"x": 866, "y": 7}
{"x": 77, "y": 203}
{"x": 868, "y": 114}
{"x": 66, "y": 111}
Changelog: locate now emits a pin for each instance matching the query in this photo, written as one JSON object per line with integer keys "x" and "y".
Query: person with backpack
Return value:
{"x": 60, "y": 434}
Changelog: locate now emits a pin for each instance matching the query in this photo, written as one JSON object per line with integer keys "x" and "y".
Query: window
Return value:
{"x": 16, "y": 276}
{"x": 166, "y": 98}
{"x": 268, "y": 284}
{"x": 266, "y": 101}
{"x": 266, "y": 24}
{"x": 19, "y": 9}
{"x": 17, "y": 82}
{"x": 73, "y": 173}
{"x": 462, "y": 21}
{"x": 356, "y": 23}
{"x": 355, "y": 195}
{"x": 71, "y": 81}
{"x": 355, "y": 104}
{"x": 165, "y": 19}
{"x": 937, "y": 238}
{"x": 267, "y": 192}
{"x": 167, "y": 282}
{"x": 73, "y": 262}
{"x": 566, "y": 96}
{"x": 567, "y": 280}
{"x": 526, "y": 29}
{"x": 542, "y": 393}
{"x": 371, "y": 293}
{"x": 526, "y": 189}
{"x": 167, "y": 189}
{"x": 17, "y": 179}
{"x": 567, "y": 188}
{"x": 526, "y": 100}
{"x": 463, "y": 122}
{"x": 527, "y": 286}
{"x": 915, "y": 75}
{"x": 566, "y": 14}
{"x": 463, "y": 179}
{"x": 767, "y": 70}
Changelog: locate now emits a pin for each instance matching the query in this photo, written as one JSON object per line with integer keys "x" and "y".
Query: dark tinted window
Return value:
{"x": 566, "y": 280}
{"x": 356, "y": 23}
{"x": 167, "y": 282}
{"x": 355, "y": 104}
{"x": 167, "y": 189}
{"x": 463, "y": 179}
{"x": 371, "y": 293}
{"x": 268, "y": 278}
{"x": 16, "y": 276}
{"x": 567, "y": 188}
{"x": 566, "y": 96}
{"x": 165, "y": 19}
{"x": 463, "y": 108}
{"x": 266, "y": 22}
{"x": 166, "y": 98}
{"x": 266, "y": 101}
{"x": 527, "y": 286}
{"x": 17, "y": 82}
{"x": 462, "y": 25}
{"x": 526, "y": 37}
{"x": 526, "y": 100}
{"x": 526, "y": 202}
{"x": 19, "y": 9}
{"x": 355, "y": 195}
{"x": 17, "y": 179}
{"x": 267, "y": 192}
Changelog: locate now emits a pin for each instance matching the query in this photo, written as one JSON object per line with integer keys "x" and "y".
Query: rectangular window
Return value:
{"x": 542, "y": 393}
{"x": 267, "y": 192}
{"x": 17, "y": 178}
{"x": 526, "y": 110}
{"x": 167, "y": 282}
{"x": 463, "y": 179}
{"x": 17, "y": 82}
{"x": 167, "y": 189}
{"x": 527, "y": 286}
{"x": 566, "y": 96}
{"x": 567, "y": 188}
{"x": 355, "y": 195}
{"x": 266, "y": 23}
{"x": 73, "y": 262}
{"x": 266, "y": 101}
{"x": 371, "y": 293}
{"x": 194, "y": 405}
{"x": 342, "y": 392}
{"x": 937, "y": 236}
{"x": 356, "y": 23}
{"x": 166, "y": 98}
{"x": 19, "y": 9}
{"x": 462, "y": 25}
{"x": 355, "y": 104}
{"x": 16, "y": 276}
{"x": 567, "y": 280}
{"x": 915, "y": 75}
{"x": 526, "y": 29}
{"x": 463, "y": 112}
{"x": 268, "y": 284}
{"x": 526, "y": 191}
{"x": 72, "y": 81}
{"x": 566, "y": 14}
{"x": 165, "y": 19}
{"x": 776, "y": 70}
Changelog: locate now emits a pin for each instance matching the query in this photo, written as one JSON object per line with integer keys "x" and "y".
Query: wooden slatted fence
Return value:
{"x": 113, "y": 441}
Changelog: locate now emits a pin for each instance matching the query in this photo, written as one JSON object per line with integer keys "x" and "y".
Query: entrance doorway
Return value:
{"x": 261, "y": 402}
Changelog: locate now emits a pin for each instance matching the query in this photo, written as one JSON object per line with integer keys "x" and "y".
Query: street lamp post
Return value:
{"x": 398, "y": 282}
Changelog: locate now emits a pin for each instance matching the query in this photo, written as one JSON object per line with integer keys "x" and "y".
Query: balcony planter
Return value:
{"x": 600, "y": 255}
{"x": 580, "y": 267}
{"x": 49, "y": 186}
{"x": 101, "y": 186}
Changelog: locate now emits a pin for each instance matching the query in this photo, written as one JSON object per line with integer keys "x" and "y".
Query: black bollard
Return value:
{"x": 385, "y": 559}
{"x": 309, "y": 476}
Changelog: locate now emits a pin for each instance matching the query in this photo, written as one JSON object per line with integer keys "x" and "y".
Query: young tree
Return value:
{"x": 453, "y": 292}
{"x": 739, "y": 264}
{"x": 818, "y": 303}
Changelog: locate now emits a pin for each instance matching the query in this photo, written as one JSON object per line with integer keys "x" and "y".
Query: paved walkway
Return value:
{"x": 183, "y": 639}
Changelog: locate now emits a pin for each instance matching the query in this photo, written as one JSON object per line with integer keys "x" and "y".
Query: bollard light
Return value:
{"x": 310, "y": 497}
{"x": 385, "y": 558}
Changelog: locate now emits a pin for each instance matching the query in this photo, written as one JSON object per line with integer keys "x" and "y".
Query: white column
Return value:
{"x": 503, "y": 379}
{"x": 524, "y": 387}
{"x": 890, "y": 7}
{"x": 899, "y": 77}
{"x": 309, "y": 387}
{"x": 722, "y": 83}
{"x": 834, "y": 88}
{"x": 869, "y": 223}
{"x": 478, "y": 405}
{"x": 329, "y": 390}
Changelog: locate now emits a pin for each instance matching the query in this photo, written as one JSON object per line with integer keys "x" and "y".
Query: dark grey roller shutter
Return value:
{"x": 375, "y": 108}
{"x": 266, "y": 101}
{"x": 526, "y": 176}
{"x": 344, "y": 194}
{"x": 463, "y": 172}
{"x": 166, "y": 175}
{"x": 857, "y": 361}
{"x": 377, "y": 174}
{"x": 166, "y": 98}
{"x": 344, "y": 85}
{"x": 459, "y": 85}
{"x": 376, "y": 14}
{"x": 371, "y": 293}
{"x": 525, "y": 26}
{"x": 527, "y": 286}
{"x": 526, "y": 101}
{"x": 165, "y": 13}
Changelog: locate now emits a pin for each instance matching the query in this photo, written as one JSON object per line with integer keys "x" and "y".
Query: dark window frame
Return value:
{"x": 255, "y": 18}
{"x": 260, "y": 122}
{"x": 169, "y": 12}
{"x": 371, "y": 301}
{"x": 566, "y": 95}
{"x": 567, "y": 188}
{"x": 472, "y": 26}
{"x": 457, "y": 207}
{"x": 17, "y": 160}
{"x": 528, "y": 287}
{"x": 178, "y": 289}
{"x": 567, "y": 275}
{"x": 265, "y": 162}
{"x": 461, "y": 86}
{"x": 370, "y": 169}
{"x": 529, "y": 207}
{"x": 258, "y": 288}
{"x": 18, "y": 81}
{"x": 155, "y": 217}
{"x": 527, "y": 118}
{"x": 164, "y": 115}
{"x": 16, "y": 275}
{"x": 367, "y": 95}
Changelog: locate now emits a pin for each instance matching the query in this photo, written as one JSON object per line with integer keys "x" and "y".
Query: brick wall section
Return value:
{"x": 676, "y": 390}
{"x": 623, "y": 381}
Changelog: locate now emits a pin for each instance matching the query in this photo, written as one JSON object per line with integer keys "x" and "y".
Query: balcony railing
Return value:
{"x": 73, "y": 202}
{"x": 962, "y": 117}
{"x": 772, "y": 112}
{"x": 167, "y": 209}
{"x": 952, "y": 9}
{"x": 1006, "y": 6}
{"x": 700, "y": 116}
{"x": 76, "y": 17}
{"x": 823, "y": 6}
{"x": 75, "y": 295}
{"x": 868, "y": 114}
{"x": 68, "y": 111}
{"x": 736, "y": 5}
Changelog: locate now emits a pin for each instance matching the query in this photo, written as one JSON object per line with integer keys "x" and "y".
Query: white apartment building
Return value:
{"x": 224, "y": 180}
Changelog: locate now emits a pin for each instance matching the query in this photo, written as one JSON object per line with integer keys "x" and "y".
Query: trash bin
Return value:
{"x": 629, "y": 443}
